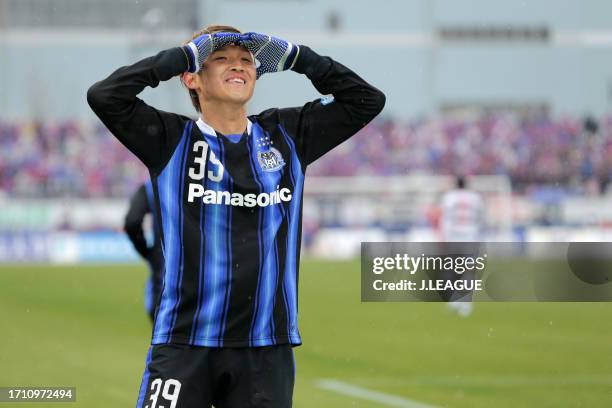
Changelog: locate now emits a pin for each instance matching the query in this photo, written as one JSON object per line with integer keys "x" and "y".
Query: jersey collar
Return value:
{"x": 207, "y": 129}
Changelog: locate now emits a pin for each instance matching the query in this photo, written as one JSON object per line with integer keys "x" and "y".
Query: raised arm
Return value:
{"x": 325, "y": 123}
{"x": 147, "y": 132}
{"x": 320, "y": 125}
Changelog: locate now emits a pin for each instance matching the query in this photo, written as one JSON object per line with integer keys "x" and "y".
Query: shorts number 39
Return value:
{"x": 169, "y": 391}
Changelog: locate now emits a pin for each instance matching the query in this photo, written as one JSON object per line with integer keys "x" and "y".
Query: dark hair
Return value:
{"x": 211, "y": 29}
{"x": 460, "y": 181}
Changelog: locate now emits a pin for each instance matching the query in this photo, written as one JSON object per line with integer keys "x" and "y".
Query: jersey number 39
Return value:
{"x": 170, "y": 390}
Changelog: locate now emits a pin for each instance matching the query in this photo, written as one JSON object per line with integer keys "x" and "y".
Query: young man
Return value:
{"x": 141, "y": 204}
{"x": 228, "y": 192}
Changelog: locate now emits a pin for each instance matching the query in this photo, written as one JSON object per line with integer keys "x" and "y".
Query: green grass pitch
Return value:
{"x": 85, "y": 326}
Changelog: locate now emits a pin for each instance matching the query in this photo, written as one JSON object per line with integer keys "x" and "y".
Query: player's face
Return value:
{"x": 228, "y": 75}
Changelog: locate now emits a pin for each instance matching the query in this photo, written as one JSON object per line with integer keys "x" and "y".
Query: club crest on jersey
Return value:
{"x": 270, "y": 160}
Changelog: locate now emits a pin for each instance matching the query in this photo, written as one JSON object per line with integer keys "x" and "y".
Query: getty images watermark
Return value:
{"x": 459, "y": 265}
{"x": 475, "y": 271}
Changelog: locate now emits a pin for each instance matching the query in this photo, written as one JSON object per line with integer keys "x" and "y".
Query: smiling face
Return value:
{"x": 227, "y": 76}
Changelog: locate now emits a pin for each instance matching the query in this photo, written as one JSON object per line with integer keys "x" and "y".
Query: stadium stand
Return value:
{"x": 54, "y": 159}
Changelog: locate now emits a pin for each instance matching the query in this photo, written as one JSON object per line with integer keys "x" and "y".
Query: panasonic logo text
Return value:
{"x": 238, "y": 199}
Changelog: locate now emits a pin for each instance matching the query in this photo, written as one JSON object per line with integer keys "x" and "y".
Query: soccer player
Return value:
{"x": 462, "y": 221}
{"x": 228, "y": 193}
{"x": 462, "y": 214}
{"x": 142, "y": 204}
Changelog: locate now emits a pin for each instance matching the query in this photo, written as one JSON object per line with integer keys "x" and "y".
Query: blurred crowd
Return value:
{"x": 68, "y": 158}
{"x": 82, "y": 159}
{"x": 531, "y": 149}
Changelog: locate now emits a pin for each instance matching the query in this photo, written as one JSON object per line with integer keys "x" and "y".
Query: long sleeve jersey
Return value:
{"x": 229, "y": 211}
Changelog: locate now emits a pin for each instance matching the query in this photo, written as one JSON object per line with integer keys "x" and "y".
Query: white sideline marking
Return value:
{"x": 491, "y": 381}
{"x": 370, "y": 395}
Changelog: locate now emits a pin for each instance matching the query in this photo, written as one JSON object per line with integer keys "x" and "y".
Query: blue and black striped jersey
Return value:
{"x": 229, "y": 209}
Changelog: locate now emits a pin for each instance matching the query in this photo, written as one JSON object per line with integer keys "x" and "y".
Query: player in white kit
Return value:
{"x": 462, "y": 215}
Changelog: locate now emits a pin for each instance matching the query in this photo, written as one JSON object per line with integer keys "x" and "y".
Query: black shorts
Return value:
{"x": 182, "y": 376}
